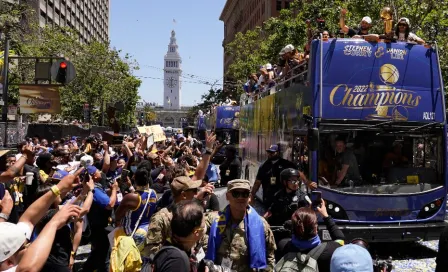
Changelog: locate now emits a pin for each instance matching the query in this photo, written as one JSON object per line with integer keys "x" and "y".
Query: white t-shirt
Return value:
{"x": 411, "y": 37}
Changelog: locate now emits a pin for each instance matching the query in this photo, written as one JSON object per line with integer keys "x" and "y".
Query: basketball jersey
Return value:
{"x": 131, "y": 217}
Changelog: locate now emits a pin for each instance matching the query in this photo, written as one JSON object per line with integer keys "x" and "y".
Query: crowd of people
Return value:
{"x": 155, "y": 208}
{"x": 291, "y": 60}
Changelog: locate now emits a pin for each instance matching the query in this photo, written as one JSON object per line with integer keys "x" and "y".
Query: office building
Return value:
{"x": 243, "y": 15}
{"x": 90, "y": 18}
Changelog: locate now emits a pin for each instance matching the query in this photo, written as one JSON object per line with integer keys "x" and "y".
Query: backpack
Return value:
{"x": 125, "y": 256}
{"x": 149, "y": 267}
{"x": 296, "y": 261}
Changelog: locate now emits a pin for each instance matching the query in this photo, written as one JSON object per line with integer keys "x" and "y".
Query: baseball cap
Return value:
{"x": 238, "y": 184}
{"x": 272, "y": 148}
{"x": 351, "y": 258}
{"x": 404, "y": 20}
{"x": 287, "y": 49}
{"x": 60, "y": 174}
{"x": 91, "y": 170}
{"x": 86, "y": 160}
{"x": 367, "y": 19}
{"x": 269, "y": 66}
{"x": 184, "y": 183}
{"x": 12, "y": 237}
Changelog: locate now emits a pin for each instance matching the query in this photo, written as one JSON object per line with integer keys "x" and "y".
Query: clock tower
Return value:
{"x": 172, "y": 76}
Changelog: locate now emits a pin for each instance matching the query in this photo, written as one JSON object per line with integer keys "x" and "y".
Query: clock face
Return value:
{"x": 171, "y": 82}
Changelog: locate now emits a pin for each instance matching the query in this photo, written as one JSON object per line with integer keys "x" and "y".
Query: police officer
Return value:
{"x": 288, "y": 199}
{"x": 268, "y": 175}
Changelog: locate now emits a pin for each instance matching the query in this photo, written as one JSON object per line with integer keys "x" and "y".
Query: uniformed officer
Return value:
{"x": 288, "y": 199}
{"x": 239, "y": 238}
{"x": 269, "y": 175}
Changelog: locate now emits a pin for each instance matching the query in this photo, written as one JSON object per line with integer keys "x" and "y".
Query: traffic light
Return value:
{"x": 63, "y": 71}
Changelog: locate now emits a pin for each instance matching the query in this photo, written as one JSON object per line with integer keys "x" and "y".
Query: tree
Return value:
{"x": 429, "y": 19}
{"x": 150, "y": 114}
{"x": 104, "y": 75}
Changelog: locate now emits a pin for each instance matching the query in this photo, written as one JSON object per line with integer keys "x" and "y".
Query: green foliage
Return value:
{"x": 104, "y": 75}
{"x": 150, "y": 114}
{"x": 429, "y": 20}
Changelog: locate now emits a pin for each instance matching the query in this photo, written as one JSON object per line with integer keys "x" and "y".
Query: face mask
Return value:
{"x": 133, "y": 169}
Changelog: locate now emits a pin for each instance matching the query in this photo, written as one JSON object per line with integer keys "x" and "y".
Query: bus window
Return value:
{"x": 382, "y": 162}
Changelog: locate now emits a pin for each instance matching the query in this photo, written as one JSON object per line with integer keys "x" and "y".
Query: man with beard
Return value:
{"x": 98, "y": 217}
{"x": 362, "y": 32}
{"x": 269, "y": 175}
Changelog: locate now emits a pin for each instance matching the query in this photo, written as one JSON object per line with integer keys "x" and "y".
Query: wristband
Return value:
{"x": 55, "y": 190}
{"x": 4, "y": 216}
{"x": 208, "y": 151}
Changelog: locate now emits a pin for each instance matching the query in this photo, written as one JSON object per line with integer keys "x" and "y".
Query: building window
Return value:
{"x": 279, "y": 5}
{"x": 287, "y": 3}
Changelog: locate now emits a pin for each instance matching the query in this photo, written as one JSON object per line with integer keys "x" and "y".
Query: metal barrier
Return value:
{"x": 289, "y": 78}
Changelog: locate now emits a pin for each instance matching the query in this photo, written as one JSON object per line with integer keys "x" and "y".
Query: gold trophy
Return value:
{"x": 387, "y": 17}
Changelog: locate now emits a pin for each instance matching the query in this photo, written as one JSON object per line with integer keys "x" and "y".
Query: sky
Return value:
{"x": 142, "y": 28}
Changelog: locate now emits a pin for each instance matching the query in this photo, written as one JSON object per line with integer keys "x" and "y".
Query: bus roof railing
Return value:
{"x": 289, "y": 78}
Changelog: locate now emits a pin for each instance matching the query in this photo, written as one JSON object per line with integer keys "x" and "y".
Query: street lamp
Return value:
{"x": 5, "y": 27}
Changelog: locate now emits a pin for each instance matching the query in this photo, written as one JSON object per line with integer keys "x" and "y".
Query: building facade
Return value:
{"x": 172, "y": 76}
{"x": 243, "y": 15}
{"x": 89, "y": 18}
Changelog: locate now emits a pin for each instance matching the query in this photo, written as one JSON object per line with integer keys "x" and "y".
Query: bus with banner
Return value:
{"x": 367, "y": 122}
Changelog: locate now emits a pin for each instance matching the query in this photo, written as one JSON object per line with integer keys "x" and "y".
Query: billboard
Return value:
{"x": 39, "y": 99}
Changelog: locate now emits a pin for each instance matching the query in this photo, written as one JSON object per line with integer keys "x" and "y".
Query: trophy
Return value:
{"x": 113, "y": 137}
{"x": 387, "y": 17}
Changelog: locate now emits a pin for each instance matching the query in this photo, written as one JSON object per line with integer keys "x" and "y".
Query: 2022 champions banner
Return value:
{"x": 381, "y": 81}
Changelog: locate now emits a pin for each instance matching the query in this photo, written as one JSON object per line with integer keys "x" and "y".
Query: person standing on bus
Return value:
{"x": 230, "y": 169}
{"x": 363, "y": 31}
{"x": 403, "y": 34}
{"x": 269, "y": 175}
{"x": 348, "y": 165}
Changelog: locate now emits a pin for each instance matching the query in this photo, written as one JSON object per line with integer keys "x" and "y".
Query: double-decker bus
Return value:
{"x": 386, "y": 101}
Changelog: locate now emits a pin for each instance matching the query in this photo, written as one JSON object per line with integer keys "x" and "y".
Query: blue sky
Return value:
{"x": 143, "y": 28}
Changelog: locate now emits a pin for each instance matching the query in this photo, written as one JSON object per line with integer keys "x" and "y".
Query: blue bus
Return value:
{"x": 384, "y": 104}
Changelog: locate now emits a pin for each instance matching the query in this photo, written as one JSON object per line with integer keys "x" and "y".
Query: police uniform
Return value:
{"x": 269, "y": 175}
{"x": 159, "y": 228}
{"x": 284, "y": 205}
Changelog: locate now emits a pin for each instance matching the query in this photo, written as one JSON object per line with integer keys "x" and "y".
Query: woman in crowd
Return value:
{"x": 305, "y": 238}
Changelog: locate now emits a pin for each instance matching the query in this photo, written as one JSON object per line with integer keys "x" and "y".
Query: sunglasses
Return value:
{"x": 195, "y": 190}
{"x": 236, "y": 194}
{"x": 402, "y": 25}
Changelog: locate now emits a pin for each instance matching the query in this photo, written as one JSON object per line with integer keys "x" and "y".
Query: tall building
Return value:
{"x": 243, "y": 15}
{"x": 172, "y": 76}
{"x": 90, "y": 18}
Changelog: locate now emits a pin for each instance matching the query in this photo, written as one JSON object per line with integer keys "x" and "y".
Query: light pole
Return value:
{"x": 7, "y": 35}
